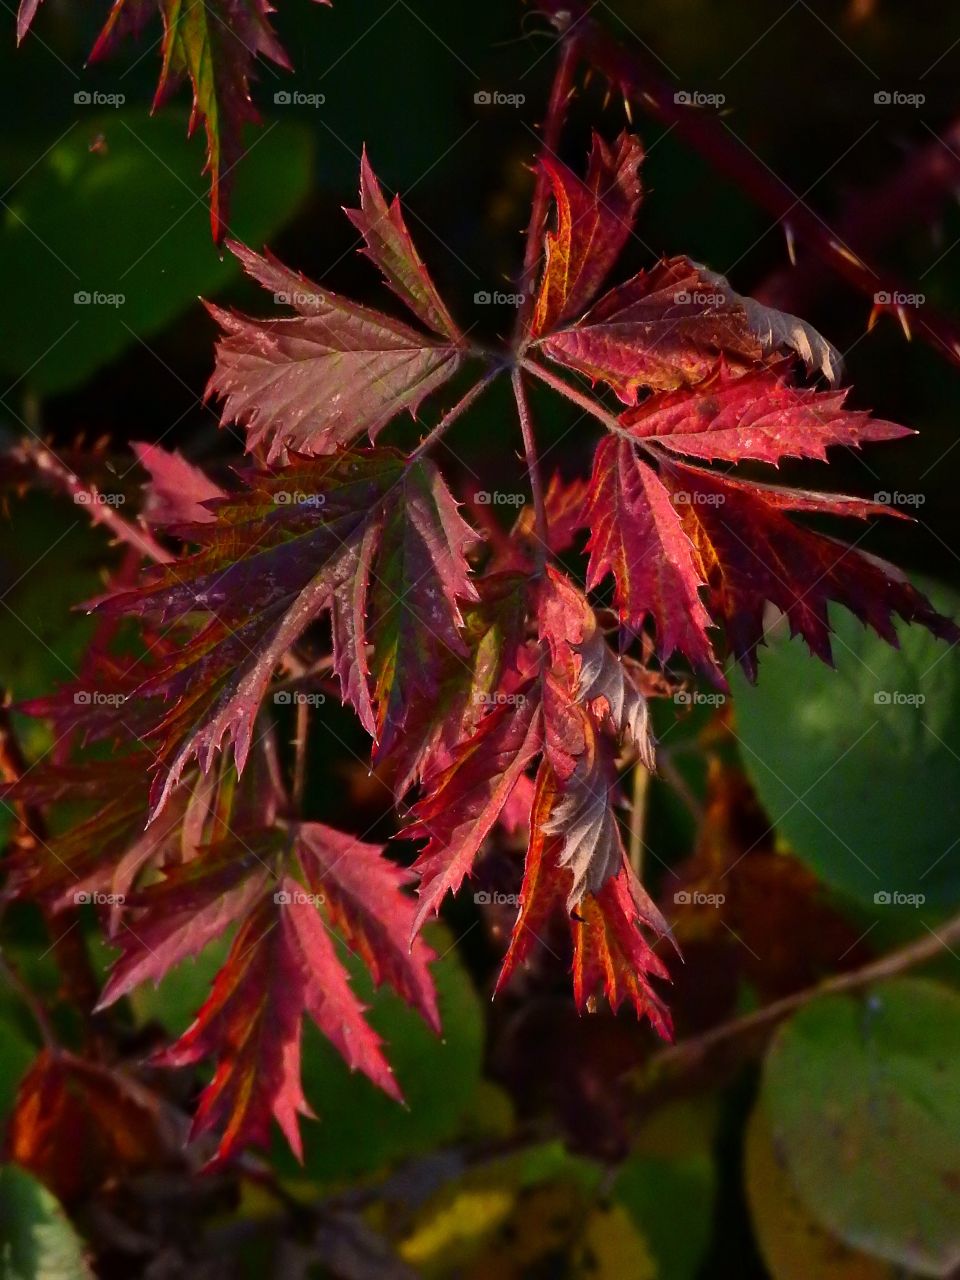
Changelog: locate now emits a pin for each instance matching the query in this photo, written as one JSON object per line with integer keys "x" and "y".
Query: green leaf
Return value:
{"x": 117, "y": 209}
{"x": 360, "y": 1129}
{"x": 863, "y": 1099}
{"x": 854, "y": 770}
{"x": 37, "y": 1241}
{"x": 667, "y": 1185}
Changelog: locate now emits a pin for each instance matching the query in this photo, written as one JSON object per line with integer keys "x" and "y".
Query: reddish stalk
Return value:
{"x": 533, "y": 469}
{"x": 636, "y": 76}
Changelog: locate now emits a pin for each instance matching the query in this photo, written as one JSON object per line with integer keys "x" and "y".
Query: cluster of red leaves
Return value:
{"x": 486, "y": 682}
{"x": 214, "y": 45}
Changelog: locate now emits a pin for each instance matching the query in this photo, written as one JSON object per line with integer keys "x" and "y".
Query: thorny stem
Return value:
{"x": 589, "y": 405}
{"x": 636, "y": 76}
{"x": 556, "y": 113}
{"x": 448, "y": 419}
{"x": 105, "y": 513}
{"x": 691, "y": 1054}
{"x": 533, "y": 469}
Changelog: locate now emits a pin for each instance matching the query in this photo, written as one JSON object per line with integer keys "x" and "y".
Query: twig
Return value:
{"x": 635, "y": 75}
{"x": 89, "y": 497}
{"x": 533, "y": 469}
{"x": 691, "y": 1054}
{"x": 300, "y": 755}
{"x": 638, "y": 815}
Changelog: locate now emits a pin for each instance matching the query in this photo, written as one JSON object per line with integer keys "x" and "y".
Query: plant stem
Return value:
{"x": 533, "y": 470}
{"x": 587, "y": 403}
{"x": 448, "y": 419}
{"x": 87, "y": 496}
{"x": 553, "y": 125}
{"x": 694, "y": 1053}
{"x": 635, "y": 74}
{"x": 300, "y": 756}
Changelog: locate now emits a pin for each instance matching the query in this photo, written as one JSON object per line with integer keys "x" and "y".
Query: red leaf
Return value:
{"x": 319, "y": 379}
{"x": 590, "y": 702}
{"x": 756, "y": 416}
{"x": 177, "y": 492}
{"x": 192, "y": 905}
{"x": 636, "y": 535}
{"x": 751, "y": 553}
{"x": 610, "y": 952}
{"x": 663, "y": 329}
{"x": 594, "y": 220}
{"x": 389, "y": 246}
{"x": 282, "y": 965}
{"x": 461, "y": 804}
{"x": 363, "y": 897}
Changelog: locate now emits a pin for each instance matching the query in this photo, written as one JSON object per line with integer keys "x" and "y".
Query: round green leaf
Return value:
{"x": 107, "y": 238}
{"x": 863, "y": 1098}
{"x": 857, "y": 766}
{"x": 37, "y": 1241}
